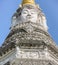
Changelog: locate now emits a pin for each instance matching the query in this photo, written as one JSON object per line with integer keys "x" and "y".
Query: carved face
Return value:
{"x": 29, "y": 15}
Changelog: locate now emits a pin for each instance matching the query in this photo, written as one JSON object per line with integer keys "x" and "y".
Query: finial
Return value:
{"x": 24, "y": 2}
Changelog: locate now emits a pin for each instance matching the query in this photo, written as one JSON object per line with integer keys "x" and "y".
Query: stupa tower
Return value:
{"x": 29, "y": 42}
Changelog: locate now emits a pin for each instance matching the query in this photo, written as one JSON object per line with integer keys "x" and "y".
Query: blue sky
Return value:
{"x": 8, "y": 7}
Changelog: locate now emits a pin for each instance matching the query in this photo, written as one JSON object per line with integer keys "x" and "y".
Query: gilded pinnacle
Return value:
{"x": 24, "y": 2}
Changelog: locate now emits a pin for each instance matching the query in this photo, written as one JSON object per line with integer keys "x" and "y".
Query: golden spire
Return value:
{"x": 24, "y": 2}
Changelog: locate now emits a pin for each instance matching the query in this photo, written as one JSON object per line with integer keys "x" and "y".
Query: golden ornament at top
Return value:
{"x": 24, "y": 2}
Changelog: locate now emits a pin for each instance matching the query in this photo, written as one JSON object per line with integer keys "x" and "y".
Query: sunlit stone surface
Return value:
{"x": 29, "y": 42}
{"x": 30, "y": 13}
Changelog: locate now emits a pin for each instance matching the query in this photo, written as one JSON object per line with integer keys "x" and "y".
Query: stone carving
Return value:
{"x": 34, "y": 35}
{"x": 33, "y": 62}
{"x": 29, "y": 42}
{"x": 30, "y": 55}
{"x": 30, "y": 14}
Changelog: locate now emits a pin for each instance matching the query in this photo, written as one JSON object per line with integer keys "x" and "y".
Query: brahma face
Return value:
{"x": 29, "y": 14}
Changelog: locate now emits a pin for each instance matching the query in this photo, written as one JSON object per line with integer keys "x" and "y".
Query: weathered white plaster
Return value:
{"x": 29, "y": 15}
{"x": 10, "y": 56}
